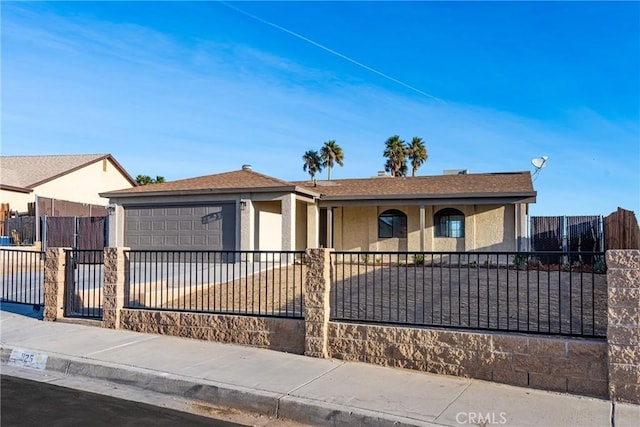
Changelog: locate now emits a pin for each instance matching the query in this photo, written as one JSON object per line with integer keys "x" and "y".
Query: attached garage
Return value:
{"x": 231, "y": 211}
{"x": 181, "y": 227}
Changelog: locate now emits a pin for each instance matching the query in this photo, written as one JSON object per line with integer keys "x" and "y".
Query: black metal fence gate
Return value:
{"x": 83, "y": 283}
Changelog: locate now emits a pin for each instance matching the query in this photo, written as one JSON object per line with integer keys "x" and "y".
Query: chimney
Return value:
{"x": 382, "y": 173}
{"x": 247, "y": 168}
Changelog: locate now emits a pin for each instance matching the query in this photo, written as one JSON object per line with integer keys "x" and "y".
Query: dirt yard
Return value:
{"x": 479, "y": 297}
{"x": 476, "y": 297}
{"x": 276, "y": 292}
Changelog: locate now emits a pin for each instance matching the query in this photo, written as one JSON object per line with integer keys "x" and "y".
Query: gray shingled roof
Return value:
{"x": 30, "y": 171}
{"x": 485, "y": 184}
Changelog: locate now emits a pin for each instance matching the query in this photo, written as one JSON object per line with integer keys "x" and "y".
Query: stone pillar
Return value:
{"x": 623, "y": 325}
{"x": 54, "y": 274}
{"x": 316, "y": 300}
{"x": 115, "y": 276}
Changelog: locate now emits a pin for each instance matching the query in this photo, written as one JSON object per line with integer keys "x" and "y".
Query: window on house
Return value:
{"x": 449, "y": 223}
{"x": 392, "y": 223}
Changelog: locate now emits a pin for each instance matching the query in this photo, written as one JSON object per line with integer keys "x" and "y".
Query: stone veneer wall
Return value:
{"x": 623, "y": 325}
{"x": 593, "y": 367}
{"x": 316, "y": 302}
{"x": 285, "y": 335}
{"x": 54, "y": 272}
{"x": 558, "y": 364}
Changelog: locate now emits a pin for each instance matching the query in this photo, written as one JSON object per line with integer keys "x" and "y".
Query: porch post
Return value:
{"x": 247, "y": 226}
{"x": 330, "y": 227}
{"x": 422, "y": 225}
{"x": 313, "y": 215}
{"x": 289, "y": 222}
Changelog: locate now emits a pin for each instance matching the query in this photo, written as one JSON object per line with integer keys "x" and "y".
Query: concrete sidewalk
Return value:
{"x": 306, "y": 390}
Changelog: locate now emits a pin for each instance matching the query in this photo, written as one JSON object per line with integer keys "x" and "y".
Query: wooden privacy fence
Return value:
{"x": 621, "y": 230}
{"x": 88, "y": 233}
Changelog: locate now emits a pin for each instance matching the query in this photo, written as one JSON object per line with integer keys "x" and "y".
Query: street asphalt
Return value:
{"x": 274, "y": 385}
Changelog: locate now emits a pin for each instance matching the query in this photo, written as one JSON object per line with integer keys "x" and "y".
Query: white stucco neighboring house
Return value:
{"x": 246, "y": 210}
{"x": 76, "y": 178}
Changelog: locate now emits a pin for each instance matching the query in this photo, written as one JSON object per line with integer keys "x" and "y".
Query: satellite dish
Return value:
{"x": 539, "y": 163}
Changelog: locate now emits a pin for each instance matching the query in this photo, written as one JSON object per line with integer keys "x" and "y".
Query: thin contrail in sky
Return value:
{"x": 338, "y": 54}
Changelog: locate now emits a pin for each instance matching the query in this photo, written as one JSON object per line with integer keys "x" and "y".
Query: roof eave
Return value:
{"x": 429, "y": 196}
{"x": 104, "y": 157}
{"x": 200, "y": 191}
{"x": 15, "y": 188}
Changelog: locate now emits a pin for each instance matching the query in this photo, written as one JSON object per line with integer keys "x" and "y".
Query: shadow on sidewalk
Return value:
{"x": 32, "y": 311}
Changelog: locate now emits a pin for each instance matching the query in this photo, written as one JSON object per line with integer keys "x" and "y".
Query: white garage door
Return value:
{"x": 173, "y": 227}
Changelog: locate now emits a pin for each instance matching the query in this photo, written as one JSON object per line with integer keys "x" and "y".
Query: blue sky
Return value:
{"x": 184, "y": 89}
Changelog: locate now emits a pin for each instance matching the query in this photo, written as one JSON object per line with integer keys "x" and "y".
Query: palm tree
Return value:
{"x": 396, "y": 155}
{"x": 417, "y": 153}
{"x": 312, "y": 164}
{"x": 330, "y": 153}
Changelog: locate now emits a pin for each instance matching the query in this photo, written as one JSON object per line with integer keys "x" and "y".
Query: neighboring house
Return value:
{"x": 73, "y": 178}
{"x": 246, "y": 210}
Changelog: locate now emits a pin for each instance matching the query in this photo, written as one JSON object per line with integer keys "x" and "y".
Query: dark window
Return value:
{"x": 449, "y": 223}
{"x": 392, "y": 223}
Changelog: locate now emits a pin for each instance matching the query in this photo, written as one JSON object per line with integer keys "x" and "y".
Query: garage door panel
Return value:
{"x": 210, "y": 227}
{"x": 214, "y": 241}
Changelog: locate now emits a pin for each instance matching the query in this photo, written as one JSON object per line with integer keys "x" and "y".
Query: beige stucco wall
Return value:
{"x": 487, "y": 227}
{"x": 84, "y": 184}
{"x": 80, "y": 186}
{"x": 269, "y": 225}
{"x": 495, "y": 228}
{"x": 17, "y": 201}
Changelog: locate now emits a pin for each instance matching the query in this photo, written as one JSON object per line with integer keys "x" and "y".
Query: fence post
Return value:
{"x": 623, "y": 325}
{"x": 113, "y": 286}
{"x": 54, "y": 277}
{"x": 316, "y": 300}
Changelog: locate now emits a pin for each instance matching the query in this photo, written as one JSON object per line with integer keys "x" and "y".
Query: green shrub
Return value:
{"x": 599, "y": 266}
{"x": 520, "y": 261}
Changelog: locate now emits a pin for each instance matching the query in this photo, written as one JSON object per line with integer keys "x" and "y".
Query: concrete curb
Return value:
{"x": 322, "y": 413}
{"x": 275, "y": 405}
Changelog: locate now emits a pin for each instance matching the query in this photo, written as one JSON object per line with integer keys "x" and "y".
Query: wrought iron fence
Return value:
{"x": 263, "y": 283}
{"x": 84, "y": 273}
{"x": 501, "y": 291}
{"x": 22, "y": 276}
